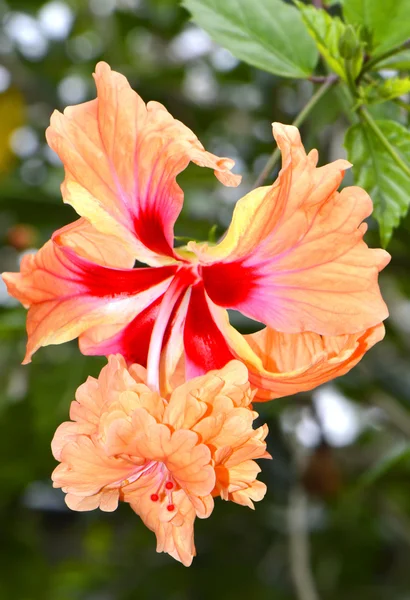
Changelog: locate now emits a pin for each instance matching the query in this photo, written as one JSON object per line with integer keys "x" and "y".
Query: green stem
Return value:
{"x": 330, "y": 81}
{"x": 402, "y": 104}
{"x": 372, "y": 62}
{"x": 384, "y": 141}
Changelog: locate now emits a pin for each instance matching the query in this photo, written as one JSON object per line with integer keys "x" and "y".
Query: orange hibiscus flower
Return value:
{"x": 293, "y": 258}
{"x": 167, "y": 459}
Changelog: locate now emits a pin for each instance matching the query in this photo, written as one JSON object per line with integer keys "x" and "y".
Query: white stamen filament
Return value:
{"x": 171, "y": 297}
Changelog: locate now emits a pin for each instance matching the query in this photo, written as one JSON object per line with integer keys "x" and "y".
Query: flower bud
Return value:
{"x": 349, "y": 44}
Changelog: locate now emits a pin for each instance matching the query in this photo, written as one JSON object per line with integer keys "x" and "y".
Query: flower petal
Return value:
{"x": 67, "y": 294}
{"x": 281, "y": 364}
{"x": 86, "y": 470}
{"x": 115, "y": 387}
{"x": 293, "y": 257}
{"x": 205, "y": 346}
{"x": 190, "y": 465}
{"x": 176, "y": 536}
{"x": 86, "y": 241}
{"x": 131, "y": 341}
{"x": 121, "y": 159}
{"x": 190, "y": 401}
{"x": 238, "y": 483}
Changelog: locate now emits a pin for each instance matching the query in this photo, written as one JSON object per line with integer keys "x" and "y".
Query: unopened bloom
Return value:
{"x": 168, "y": 458}
{"x": 293, "y": 257}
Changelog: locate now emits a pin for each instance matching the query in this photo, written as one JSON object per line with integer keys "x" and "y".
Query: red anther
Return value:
{"x": 169, "y": 485}
{"x": 154, "y": 497}
{"x": 170, "y": 507}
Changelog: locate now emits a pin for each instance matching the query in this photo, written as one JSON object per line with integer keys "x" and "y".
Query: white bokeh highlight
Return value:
{"x": 56, "y": 19}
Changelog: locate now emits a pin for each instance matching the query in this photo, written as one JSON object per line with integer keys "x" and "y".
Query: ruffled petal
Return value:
{"x": 67, "y": 294}
{"x": 175, "y": 535}
{"x": 121, "y": 160}
{"x": 238, "y": 483}
{"x": 190, "y": 401}
{"x": 190, "y": 465}
{"x": 86, "y": 471}
{"x": 294, "y": 256}
{"x": 115, "y": 388}
{"x": 281, "y": 364}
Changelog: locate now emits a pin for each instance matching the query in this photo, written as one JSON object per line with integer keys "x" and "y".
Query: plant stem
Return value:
{"x": 372, "y": 62}
{"x": 384, "y": 141}
{"x": 327, "y": 84}
{"x": 299, "y": 548}
{"x": 402, "y": 104}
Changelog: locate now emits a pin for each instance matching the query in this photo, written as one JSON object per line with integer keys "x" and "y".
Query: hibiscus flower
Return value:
{"x": 168, "y": 458}
{"x": 293, "y": 257}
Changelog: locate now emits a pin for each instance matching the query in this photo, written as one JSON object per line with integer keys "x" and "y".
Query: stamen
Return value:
{"x": 154, "y": 497}
{"x": 170, "y": 507}
{"x": 169, "y": 485}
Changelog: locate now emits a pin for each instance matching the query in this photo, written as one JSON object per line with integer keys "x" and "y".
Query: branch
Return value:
{"x": 327, "y": 84}
{"x": 382, "y": 138}
{"x": 299, "y": 550}
{"x": 372, "y": 62}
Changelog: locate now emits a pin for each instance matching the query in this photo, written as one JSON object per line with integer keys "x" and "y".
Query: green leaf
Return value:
{"x": 381, "y": 91}
{"x": 268, "y": 34}
{"x": 327, "y": 33}
{"x": 386, "y": 22}
{"x": 378, "y": 173}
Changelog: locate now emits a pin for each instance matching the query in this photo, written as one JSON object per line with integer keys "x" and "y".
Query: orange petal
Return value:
{"x": 299, "y": 247}
{"x": 176, "y": 536}
{"x": 189, "y": 402}
{"x": 68, "y": 295}
{"x": 246, "y": 497}
{"x": 283, "y": 364}
{"x": 88, "y": 242}
{"x": 86, "y": 470}
{"x": 239, "y": 484}
{"x": 190, "y": 465}
{"x": 115, "y": 389}
{"x": 121, "y": 160}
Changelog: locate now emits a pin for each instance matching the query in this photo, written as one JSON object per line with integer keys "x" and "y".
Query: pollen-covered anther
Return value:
{"x": 170, "y": 507}
{"x": 169, "y": 485}
{"x": 154, "y": 497}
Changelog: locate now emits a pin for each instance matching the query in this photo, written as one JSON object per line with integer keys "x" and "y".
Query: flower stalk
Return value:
{"x": 326, "y": 85}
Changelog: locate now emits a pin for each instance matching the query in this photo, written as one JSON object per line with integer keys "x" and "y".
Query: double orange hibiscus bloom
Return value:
{"x": 168, "y": 424}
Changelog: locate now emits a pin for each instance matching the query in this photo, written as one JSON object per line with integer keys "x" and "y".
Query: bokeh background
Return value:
{"x": 338, "y": 505}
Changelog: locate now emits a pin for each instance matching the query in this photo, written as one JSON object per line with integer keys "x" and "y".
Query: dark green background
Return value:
{"x": 354, "y": 498}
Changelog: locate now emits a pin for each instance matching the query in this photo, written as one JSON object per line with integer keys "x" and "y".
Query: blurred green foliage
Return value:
{"x": 344, "y": 449}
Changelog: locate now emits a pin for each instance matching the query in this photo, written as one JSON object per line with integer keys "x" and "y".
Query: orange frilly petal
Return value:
{"x": 121, "y": 159}
{"x": 281, "y": 364}
{"x": 299, "y": 247}
{"x": 175, "y": 536}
